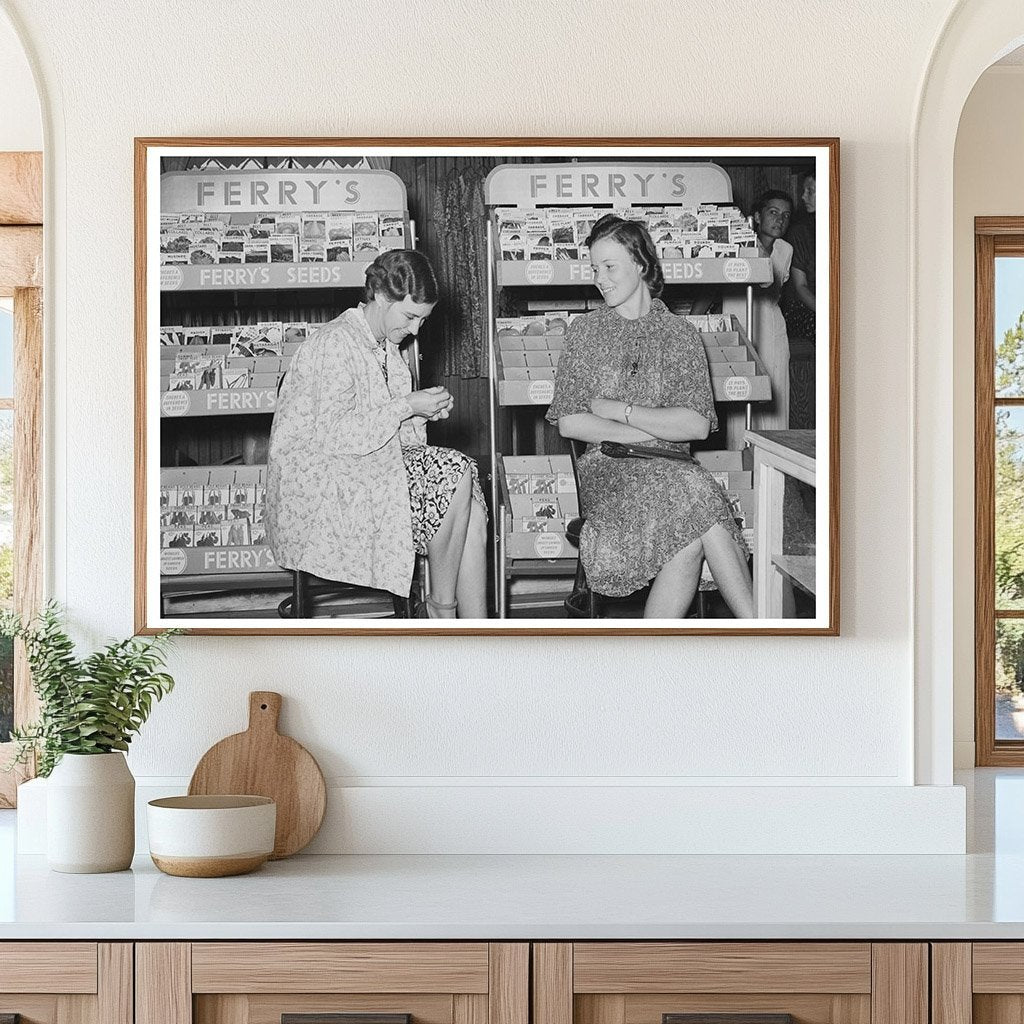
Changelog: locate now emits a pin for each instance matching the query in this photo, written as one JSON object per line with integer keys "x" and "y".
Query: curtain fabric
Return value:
{"x": 460, "y": 223}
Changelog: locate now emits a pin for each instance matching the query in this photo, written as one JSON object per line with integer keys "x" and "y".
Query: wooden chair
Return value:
{"x": 311, "y": 596}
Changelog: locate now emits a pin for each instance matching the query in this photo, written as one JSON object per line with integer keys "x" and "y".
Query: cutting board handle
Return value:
{"x": 264, "y": 710}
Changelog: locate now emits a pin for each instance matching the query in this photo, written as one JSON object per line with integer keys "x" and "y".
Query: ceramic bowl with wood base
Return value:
{"x": 211, "y": 836}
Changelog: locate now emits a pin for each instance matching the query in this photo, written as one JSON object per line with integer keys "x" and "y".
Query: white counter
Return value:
{"x": 496, "y": 897}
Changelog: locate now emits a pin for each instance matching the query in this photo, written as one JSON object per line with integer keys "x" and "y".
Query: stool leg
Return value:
{"x": 299, "y": 595}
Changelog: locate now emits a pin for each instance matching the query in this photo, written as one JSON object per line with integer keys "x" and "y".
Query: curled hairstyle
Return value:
{"x": 401, "y": 272}
{"x": 637, "y": 242}
{"x": 766, "y": 197}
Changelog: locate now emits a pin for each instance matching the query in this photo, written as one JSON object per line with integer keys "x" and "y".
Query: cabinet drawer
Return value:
{"x": 262, "y": 982}
{"x": 340, "y": 967}
{"x": 734, "y": 982}
{"x": 633, "y": 967}
{"x": 66, "y": 982}
{"x": 57, "y": 967}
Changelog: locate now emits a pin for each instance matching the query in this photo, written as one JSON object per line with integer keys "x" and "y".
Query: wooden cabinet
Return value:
{"x": 66, "y": 982}
{"x": 258, "y": 982}
{"x": 814, "y": 982}
{"x": 977, "y": 983}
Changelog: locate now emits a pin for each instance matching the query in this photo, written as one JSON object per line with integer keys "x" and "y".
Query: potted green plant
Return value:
{"x": 90, "y": 708}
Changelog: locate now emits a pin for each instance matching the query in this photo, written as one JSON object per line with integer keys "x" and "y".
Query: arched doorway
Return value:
{"x": 977, "y": 33}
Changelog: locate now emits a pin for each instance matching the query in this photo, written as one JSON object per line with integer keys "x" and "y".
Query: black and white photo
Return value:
{"x": 452, "y": 386}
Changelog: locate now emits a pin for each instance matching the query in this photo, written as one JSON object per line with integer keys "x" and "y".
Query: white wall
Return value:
{"x": 428, "y": 717}
{"x": 21, "y": 126}
{"x": 987, "y": 182}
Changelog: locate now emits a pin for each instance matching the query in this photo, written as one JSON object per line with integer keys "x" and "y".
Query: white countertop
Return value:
{"x": 516, "y": 897}
{"x": 977, "y": 896}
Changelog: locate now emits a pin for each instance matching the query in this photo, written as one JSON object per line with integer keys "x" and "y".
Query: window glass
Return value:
{"x": 1009, "y": 679}
{"x": 1009, "y": 321}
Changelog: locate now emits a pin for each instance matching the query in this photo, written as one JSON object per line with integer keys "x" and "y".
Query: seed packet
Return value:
{"x": 511, "y": 219}
{"x": 584, "y": 219}
{"x": 235, "y": 379}
{"x": 365, "y": 225}
{"x": 540, "y": 249}
{"x": 257, "y": 534}
{"x": 567, "y": 252}
{"x": 288, "y": 224}
{"x": 257, "y": 251}
{"x": 172, "y": 335}
{"x": 339, "y": 251}
{"x": 543, "y": 483}
{"x": 177, "y": 517}
{"x": 178, "y": 537}
{"x": 182, "y": 382}
{"x": 267, "y": 222}
{"x": 203, "y": 255}
{"x": 242, "y": 494}
{"x": 282, "y": 248}
{"x": 196, "y": 336}
{"x": 312, "y": 252}
{"x": 234, "y": 533}
{"x": 392, "y": 225}
{"x": 367, "y": 248}
{"x": 207, "y": 536}
{"x": 560, "y": 223}
{"x": 209, "y": 515}
{"x": 314, "y": 227}
{"x": 215, "y": 495}
{"x": 536, "y": 525}
{"x": 265, "y": 339}
{"x": 222, "y": 335}
{"x": 545, "y": 509}
{"x": 513, "y": 247}
{"x": 518, "y": 483}
{"x": 339, "y": 225}
{"x": 175, "y": 241}
{"x": 565, "y": 483}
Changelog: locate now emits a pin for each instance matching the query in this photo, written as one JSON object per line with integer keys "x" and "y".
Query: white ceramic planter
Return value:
{"x": 90, "y": 814}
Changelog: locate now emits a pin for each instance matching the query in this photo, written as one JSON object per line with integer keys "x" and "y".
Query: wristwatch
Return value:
{"x": 627, "y": 412}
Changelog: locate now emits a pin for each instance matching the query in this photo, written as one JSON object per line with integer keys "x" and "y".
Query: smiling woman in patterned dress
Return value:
{"x": 354, "y": 491}
{"x": 633, "y": 372}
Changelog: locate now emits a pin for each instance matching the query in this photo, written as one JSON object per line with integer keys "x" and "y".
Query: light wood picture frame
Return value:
{"x": 190, "y": 192}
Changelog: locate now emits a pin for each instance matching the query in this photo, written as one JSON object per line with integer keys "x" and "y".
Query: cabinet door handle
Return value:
{"x": 726, "y": 1018}
{"x": 338, "y": 1018}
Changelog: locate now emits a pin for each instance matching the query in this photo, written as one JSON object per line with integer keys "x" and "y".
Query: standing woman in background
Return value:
{"x": 772, "y": 213}
{"x": 354, "y": 492}
{"x": 798, "y": 301}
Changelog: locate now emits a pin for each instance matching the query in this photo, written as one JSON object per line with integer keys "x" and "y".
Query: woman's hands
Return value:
{"x": 431, "y": 403}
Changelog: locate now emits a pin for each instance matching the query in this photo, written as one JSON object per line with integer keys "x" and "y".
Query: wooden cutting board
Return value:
{"x": 262, "y": 762}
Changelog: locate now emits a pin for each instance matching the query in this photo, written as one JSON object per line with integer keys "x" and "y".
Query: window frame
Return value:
{"x": 21, "y": 278}
{"x": 993, "y": 237}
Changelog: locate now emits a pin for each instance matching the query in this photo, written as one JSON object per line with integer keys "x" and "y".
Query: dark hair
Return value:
{"x": 401, "y": 272}
{"x": 766, "y": 197}
{"x": 633, "y": 236}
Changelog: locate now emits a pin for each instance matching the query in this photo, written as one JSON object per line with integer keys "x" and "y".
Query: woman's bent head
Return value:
{"x": 401, "y": 291}
{"x": 394, "y": 275}
{"x": 623, "y": 259}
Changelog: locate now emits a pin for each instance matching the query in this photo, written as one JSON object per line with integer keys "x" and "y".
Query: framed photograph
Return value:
{"x": 446, "y": 386}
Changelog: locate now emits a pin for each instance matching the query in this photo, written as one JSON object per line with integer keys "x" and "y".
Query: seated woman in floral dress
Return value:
{"x": 354, "y": 491}
{"x": 633, "y": 372}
